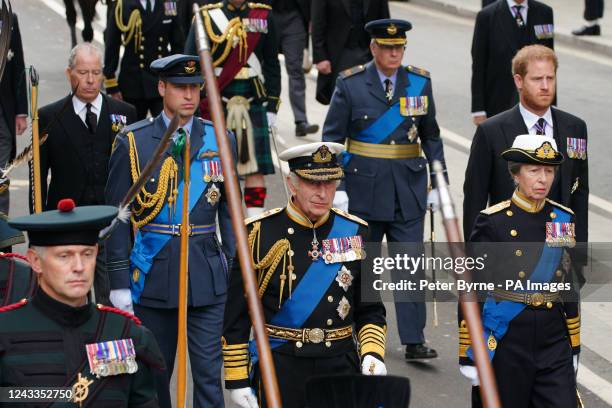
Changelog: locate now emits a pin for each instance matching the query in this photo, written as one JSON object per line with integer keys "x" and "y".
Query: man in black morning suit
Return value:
{"x": 498, "y": 34}
{"x": 78, "y": 147}
{"x": 486, "y": 176}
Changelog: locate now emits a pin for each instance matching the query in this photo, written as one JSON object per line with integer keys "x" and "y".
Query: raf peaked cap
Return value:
{"x": 315, "y": 161}
{"x": 388, "y": 31}
{"x": 178, "y": 69}
{"x": 9, "y": 236}
{"x": 68, "y": 225}
{"x": 534, "y": 149}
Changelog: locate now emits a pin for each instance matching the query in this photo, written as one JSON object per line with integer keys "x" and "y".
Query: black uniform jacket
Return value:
{"x": 266, "y": 231}
{"x": 48, "y": 350}
{"x": 487, "y": 178}
{"x": 78, "y": 160}
{"x": 496, "y": 40}
{"x": 513, "y": 236}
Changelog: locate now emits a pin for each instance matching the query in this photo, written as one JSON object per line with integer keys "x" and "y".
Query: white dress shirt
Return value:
{"x": 80, "y": 107}
{"x": 524, "y": 6}
{"x": 531, "y": 120}
{"x": 144, "y": 4}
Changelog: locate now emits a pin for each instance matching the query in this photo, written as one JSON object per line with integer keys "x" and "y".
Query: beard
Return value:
{"x": 536, "y": 102}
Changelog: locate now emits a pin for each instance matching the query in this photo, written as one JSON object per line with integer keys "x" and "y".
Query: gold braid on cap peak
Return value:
{"x": 233, "y": 34}
{"x": 168, "y": 176}
{"x": 133, "y": 27}
{"x": 279, "y": 251}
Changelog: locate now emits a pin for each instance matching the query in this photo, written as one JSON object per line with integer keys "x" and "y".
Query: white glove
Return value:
{"x": 433, "y": 199}
{"x": 373, "y": 366}
{"x": 244, "y": 397}
{"x": 271, "y": 119}
{"x": 122, "y": 299}
{"x": 341, "y": 200}
{"x": 471, "y": 373}
{"x": 575, "y": 362}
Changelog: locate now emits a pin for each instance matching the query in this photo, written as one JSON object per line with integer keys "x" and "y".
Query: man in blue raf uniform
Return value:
{"x": 386, "y": 115}
{"x": 59, "y": 339}
{"x": 146, "y": 273}
{"x": 307, "y": 257}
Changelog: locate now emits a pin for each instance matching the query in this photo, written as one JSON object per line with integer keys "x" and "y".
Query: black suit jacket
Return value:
{"x": 78, "y": 163}
{"x": 331, "y": 27}
{"x": 496, "y": 40}
{"x": 487, "y": 178}
{"x": 13, "y": 95}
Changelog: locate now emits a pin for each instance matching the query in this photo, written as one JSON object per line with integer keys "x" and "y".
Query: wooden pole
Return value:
{"x": 232, "y": 191}
{"x": 36, "y": 181}
{"x": 181, "y": 376}
{"x": 467, "y": 300}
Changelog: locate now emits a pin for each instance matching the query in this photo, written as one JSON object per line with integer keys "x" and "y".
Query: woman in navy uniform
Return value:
{"x": 531, "y": 320}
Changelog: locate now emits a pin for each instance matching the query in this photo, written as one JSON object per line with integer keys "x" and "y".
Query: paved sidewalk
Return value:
{"x": 568, "y": 16}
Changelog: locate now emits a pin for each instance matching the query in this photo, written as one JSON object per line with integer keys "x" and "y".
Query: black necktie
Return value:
{"x": 388, "y": 90}
{"x": 91, "y": 119}
{"x": 541, "y": 127}
{"x": 149, "y": 8}
{"x": 518, "y": 16}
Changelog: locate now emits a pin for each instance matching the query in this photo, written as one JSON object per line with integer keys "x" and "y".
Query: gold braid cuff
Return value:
{"x": 464, "y": 339}
{"x": 236, "y": 361}
{"x": 372, "y": 340}
{"x": 573, "y": 328}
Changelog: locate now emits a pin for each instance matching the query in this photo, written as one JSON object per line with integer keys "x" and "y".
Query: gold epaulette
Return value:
{"x": 556, "y": 204}
{"x": 419, "y": 71}
{"x": 211, "y": 6}
{"x": 349, "y": 216}
{"x": 352, "y": 71}
{"x": 264, "y": 214}
{"x": 496, "y": 208}
{"x": 259, "y": 5}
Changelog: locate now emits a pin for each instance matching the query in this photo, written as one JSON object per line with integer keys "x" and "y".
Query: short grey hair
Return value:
{"x": 85, "y": 47}
{"x": 41, "y": 251}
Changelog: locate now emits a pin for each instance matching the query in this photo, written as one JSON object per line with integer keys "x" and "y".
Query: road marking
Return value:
{"x": 61, "y": 10}
{"x": 595, "y": 384}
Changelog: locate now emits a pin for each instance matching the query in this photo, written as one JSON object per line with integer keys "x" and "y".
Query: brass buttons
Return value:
{"x": 330, "y": 298}
{"x": 141, "y": 56}
{"x": 509, "y": 213}
{"x": 549, "y": 305}
{"x": 328, "y": 344}
{"x": 553, "y": 215}
{"x": 141, "y": 48}
{"x": 521, "y": 274}
{"x": 330, "y": 322}
{"x": 559, "y": 273}
{"x": 161, "y": 39}
{"x": 513, "y": 232}
{"x": 299, "y": 344}
{"x": 290, "y": 231}
{"x": 290, "y": 252}
{"x": 518, "y": 252}
{"x": 293, "y": 276}
{"x": 141, "y": 66}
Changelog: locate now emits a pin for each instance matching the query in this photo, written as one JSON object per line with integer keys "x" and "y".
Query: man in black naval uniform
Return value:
{"x": 529, "y": 329}
{"x": 145, "y": 271}
{"x": 16, "y": 278}
{"x": 244, "y": 47}
{"x": 386, "y": 114}
{"x": 59, "y": 338}
{"x": 307, "y": 259}
{"x": 148, "y": 30}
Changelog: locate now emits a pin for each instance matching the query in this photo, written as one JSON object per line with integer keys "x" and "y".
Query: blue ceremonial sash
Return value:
{"x": 148, "y": 244}
{"x": 311, "y": 289}
{"x": 390, "y": 120}
{"x": 496, "y": 316}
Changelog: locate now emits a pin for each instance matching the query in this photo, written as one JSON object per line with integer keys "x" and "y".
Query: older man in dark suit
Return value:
{"x": 13, "y": 105}
{"x": 487, "y": 178}
{"x": 339, "y": 40}
{"x": 81, "y": 130}
{"x": 501, "y": 29}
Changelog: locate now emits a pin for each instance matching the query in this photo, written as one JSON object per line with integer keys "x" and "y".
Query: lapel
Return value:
{"x": 562, "y": 130}
{"x": 196, "y": 138}
{"x": 347, "y": 7}
{"x": 507, "y": 24}
{"x": 513, "y": 126}
{"x": 75, "y": 131}
{"x": 373, "y": 82}
{"x": 154, "y": 20}
{"x": 401, "y": 82}
{"x": 104, "y": 123}
{"x": 159, "y": 128}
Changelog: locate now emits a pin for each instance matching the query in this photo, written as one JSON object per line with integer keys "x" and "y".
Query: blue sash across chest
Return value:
{"x": 311, "y": 289}
{"x": 148, "y": 244}
{"x": 496, "y": 316}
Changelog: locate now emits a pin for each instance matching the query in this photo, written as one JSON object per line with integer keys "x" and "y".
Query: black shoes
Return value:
{"x": 304, "y": 128}
{"x": 419, "y": 352}
{"x": 588, "y": 30}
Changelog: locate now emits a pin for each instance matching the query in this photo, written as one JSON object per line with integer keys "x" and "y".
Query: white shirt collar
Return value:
{"x": 80, "y": 106}
{"x": 512, "y": 3}
{"x": 531, "y": 118}
{"x": 143, "y": 3}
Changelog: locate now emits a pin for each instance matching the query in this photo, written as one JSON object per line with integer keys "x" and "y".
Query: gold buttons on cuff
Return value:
{"x": 330, "y": 322}
{"x": 559, "y": 273}
{"x": 328, "y": 344}
{"x": 509, "y": 213}
{"x": 513, "y": 232}
{"x": 518, "y": 252}
{"x": 553, "y": 215}
{"x": 521, "y": 274}
{"x": 330, "y": 299}
{"x": 298, "y": 344}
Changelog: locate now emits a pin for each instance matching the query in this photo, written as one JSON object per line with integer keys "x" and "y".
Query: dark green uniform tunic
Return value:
{"x": 42, "y": 344}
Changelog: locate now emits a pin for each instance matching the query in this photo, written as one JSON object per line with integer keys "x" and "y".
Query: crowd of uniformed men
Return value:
{"x": 379, "y": 139}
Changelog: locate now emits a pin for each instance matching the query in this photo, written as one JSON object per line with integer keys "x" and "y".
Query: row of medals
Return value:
{"x": 127, "y": 366}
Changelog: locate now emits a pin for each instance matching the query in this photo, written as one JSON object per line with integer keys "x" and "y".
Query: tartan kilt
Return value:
{"x": 257, "y": 113}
